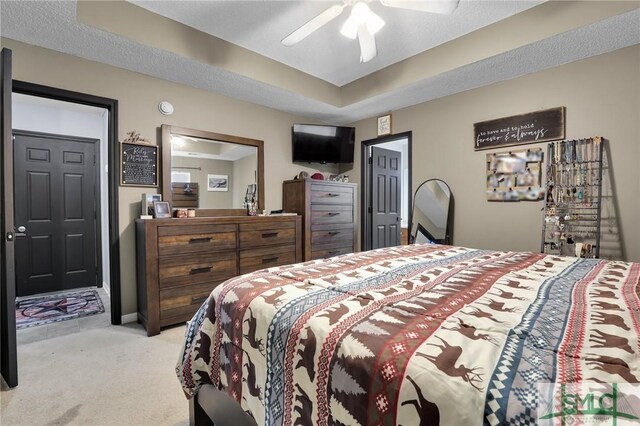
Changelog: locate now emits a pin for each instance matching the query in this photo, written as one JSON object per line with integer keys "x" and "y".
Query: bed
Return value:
{"x": 420, "y": 334}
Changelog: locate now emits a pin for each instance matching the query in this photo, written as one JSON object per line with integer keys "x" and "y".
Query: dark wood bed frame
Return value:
{"x": 211, "y": 406}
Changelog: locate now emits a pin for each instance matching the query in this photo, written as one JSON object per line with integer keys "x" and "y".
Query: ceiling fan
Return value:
{"x": 363, "y": 23}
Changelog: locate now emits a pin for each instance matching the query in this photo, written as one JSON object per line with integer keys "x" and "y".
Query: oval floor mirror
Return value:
{"x": 432, "y": 214}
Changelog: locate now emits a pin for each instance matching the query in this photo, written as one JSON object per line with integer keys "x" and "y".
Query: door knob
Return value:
{"x": 21, "y": 229}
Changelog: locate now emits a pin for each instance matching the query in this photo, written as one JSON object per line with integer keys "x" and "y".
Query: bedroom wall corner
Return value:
{"x": 602, "y": 97}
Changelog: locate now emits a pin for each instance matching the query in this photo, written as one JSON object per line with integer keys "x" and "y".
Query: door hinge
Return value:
{"x": 369, "y": 210}
{"x": 370, "y": 160}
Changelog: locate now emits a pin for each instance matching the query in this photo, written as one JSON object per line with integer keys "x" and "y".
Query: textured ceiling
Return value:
{"x": 260, "y": 25}
{"x": 53, "y": 25}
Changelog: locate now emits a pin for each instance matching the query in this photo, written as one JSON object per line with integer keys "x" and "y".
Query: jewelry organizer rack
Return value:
{"x": 572, "y": 210}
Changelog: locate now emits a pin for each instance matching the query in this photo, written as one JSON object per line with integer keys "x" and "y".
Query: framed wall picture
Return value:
{"x": 161, "y": 209}
{"x": 384, "y": 125}
{"x": 533, "y": 127}
{"x": 138, "y": 164}
{"x": 217, "y": 182}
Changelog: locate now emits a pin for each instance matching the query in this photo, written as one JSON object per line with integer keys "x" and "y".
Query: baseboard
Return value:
{"x": 130, "y": 318}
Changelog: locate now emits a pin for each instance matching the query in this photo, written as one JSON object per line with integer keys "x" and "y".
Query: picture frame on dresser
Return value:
{"x": 161, "y": 209}
{"x": 146, "y": 204}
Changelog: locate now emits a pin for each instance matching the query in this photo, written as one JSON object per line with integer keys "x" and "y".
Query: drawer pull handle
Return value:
{"x": 331, "y": 214}
{"x": 332, "y": 195}
{"x": 194, "y": 271}
{"x": 200, "y": 240}
{"x": 269, "y": 234}
{"x": 332, "y": 252}
{"x": 270, "y": 259}
{"x": 198, "y": 299}
{"x": 333, "y": 233}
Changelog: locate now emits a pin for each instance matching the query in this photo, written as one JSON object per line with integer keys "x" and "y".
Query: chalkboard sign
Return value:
{"x": 534, "y": 127}
{"x": 139, "y": 164}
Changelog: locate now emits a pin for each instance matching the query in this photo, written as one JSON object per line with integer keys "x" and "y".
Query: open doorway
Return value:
{"x": 85, "y": 118}
{"x": 60, "y": 186}
{"x": 41, "y": 123}
{"x": 386, "y": 191}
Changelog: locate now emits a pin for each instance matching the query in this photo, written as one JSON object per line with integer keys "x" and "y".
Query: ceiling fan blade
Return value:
{"x": 367, "y": 41}
{"x": 443, "y": 7}
{"x": 312, "y": 25}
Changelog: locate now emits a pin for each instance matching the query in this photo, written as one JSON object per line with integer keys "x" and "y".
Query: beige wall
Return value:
{"x": 138, "y": 96}
{"x": 602, "y": 96}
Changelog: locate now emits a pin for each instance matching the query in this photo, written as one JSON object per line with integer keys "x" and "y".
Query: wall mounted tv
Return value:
{"x": 323, "y": 144}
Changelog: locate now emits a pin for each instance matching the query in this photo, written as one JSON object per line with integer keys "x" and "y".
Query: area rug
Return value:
{"x": 40, "y": 310}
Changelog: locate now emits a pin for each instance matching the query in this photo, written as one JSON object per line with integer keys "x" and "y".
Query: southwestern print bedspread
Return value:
{"x": 412, "y": 335}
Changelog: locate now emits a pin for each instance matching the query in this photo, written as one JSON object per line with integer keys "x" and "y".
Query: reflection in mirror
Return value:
{"x": 210, "y": 174}
{"x": 432, "y": 216}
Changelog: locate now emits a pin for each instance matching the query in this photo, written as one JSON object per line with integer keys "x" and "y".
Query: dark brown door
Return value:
{"x": 55, "y": 212}
{"x": 386, "y": 197}
{"x": 8, "y": 348}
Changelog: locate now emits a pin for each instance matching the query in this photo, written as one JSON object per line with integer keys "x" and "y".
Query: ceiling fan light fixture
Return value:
{"x": 374, "y": 23}
{"x": 361, "y": 14}
{"x": 349, "y": 29}
{"x": 367, "y": 41}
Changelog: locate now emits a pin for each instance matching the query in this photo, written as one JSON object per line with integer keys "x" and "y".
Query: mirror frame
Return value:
{"x": 168, "y": 131}
{"x": 448, "y": 238}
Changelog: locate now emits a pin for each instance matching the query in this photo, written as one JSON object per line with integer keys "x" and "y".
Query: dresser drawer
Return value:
{"x": 333, "y": 235}
{"x": 267, "y": 234}
{"x": 188, "y": 270}
{"x": 252, "y": 260}
{"x": 180, "y": 301}
{"x": 331, "y": 194}
{"x": 187, "y": 239}
{"x": 330, "y": 252}
{"x": 328, "y": 214}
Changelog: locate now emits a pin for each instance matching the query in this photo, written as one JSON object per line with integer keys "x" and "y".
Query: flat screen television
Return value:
{"x": 323, "y": 144}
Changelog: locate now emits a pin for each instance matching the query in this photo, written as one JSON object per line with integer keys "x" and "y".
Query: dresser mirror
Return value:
{"x": 432, "y": 215}
{"x": 215, "y": 174}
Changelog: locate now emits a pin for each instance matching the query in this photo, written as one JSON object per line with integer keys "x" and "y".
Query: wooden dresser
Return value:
{"x": 328, "y": 211}
{"x": 180, "y": 261}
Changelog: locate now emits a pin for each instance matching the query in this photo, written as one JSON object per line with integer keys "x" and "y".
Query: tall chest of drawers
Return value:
{"x": 328, "y": 211}
{"x": 179, "y": 261}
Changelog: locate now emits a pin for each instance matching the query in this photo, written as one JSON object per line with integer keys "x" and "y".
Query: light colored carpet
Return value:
{"x": 88, "y": 372}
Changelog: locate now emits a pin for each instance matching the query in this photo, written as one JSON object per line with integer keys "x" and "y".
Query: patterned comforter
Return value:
{"x": 414, "y": 335}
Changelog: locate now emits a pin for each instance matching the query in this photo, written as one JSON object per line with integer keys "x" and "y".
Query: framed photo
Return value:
{"x": 147, "y": 203}
{"x": 217, "y": 182}
{"x": 384, "y": 125}
{"x": 161, "y": 209}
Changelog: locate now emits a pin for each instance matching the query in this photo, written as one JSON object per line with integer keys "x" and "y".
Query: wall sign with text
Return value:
{"x": 139, "y": 164}
{"x": 534, "y": 127}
